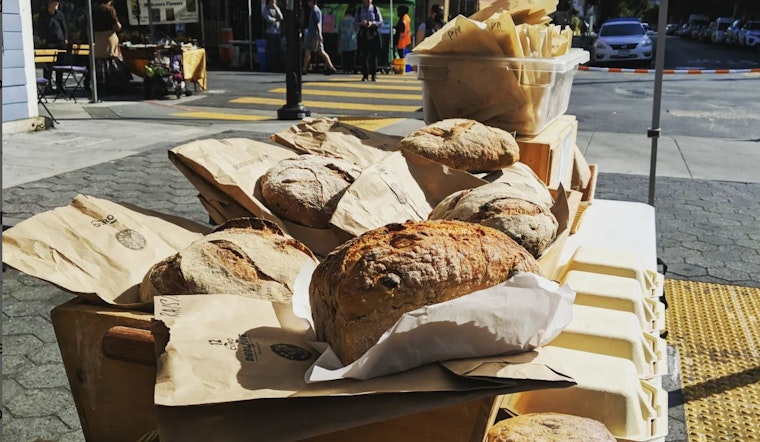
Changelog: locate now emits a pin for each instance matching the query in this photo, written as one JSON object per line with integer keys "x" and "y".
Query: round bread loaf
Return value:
{"x": 549, "y": 427}
{"x": 464, "y": 144}
{"x": 504, "y": 208}
{"x": 365, "y": 285}
{"x": 246, "y": 256}
{"x": 306, "y": 189}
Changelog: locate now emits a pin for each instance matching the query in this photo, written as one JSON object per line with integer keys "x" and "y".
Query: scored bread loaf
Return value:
{"x": 549, "y": 427}
{"x": 504, "y": 208}
{"x": 365, "y": 285}
{"x": 245, "y": 256}
{"x": 464, "y": 144}
{"x": 306, "y": 189}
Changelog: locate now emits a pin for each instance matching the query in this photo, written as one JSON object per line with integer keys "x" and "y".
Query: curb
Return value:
{"x": 670, "y": 71}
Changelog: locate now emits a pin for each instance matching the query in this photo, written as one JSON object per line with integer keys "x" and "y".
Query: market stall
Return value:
{"x": 193, "y": 60}
{"x": 441, "y": 284}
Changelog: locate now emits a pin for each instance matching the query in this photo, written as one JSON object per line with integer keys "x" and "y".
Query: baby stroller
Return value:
{"x": 164, "y": 75}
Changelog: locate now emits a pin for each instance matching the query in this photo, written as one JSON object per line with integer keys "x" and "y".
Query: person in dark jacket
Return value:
{"x": 51, "y": 28}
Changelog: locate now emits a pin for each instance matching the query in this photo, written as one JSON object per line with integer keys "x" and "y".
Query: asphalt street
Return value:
{"x": 707, "y": 212}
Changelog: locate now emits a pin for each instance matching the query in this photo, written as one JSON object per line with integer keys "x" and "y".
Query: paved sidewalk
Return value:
{"x": 708, "y": 223}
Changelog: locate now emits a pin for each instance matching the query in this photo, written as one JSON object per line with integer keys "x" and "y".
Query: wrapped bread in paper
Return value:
{"x": 461, "y": 36}
{"x": 495, "y": 92}
{"x": 524, "y": 9}
{"x": 503, "y": 29}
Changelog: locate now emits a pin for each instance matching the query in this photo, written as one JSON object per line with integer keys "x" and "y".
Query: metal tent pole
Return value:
{"x": 203, "y": 24}
{"x": 93, "y": 75}
{"x": 150, "y": 19}
{"x": 654, "y": 131}
{"x": 250, "y": 36}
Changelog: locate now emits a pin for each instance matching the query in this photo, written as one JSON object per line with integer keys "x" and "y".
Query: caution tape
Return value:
{"x": 670, "y": 71}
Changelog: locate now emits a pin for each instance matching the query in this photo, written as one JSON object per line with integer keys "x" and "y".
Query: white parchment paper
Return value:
{"x": 523, "y": 313}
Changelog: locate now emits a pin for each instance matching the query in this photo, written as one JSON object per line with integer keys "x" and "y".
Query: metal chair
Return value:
{"x": 44, "y": 56}
{"x": 75, "y": 67}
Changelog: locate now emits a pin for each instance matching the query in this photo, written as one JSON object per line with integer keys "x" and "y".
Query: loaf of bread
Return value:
{"x": 549, "y": 427}
{"x": 464, "y": 144}
{"x": 365, "y": 285}
{"x": 245, "y": 256}
{"x": 306, "y": 189}
{"x": 504, "y": 208}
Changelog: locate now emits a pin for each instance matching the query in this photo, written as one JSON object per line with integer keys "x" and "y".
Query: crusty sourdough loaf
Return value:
{"x": 464, "y": 144}
{"x": 549, "y": 427}
{"x": 504, "y": 208}
{"x": 306, "y": 189}
{"x": 246, "y": 256}
{"x": 365, "y": 285}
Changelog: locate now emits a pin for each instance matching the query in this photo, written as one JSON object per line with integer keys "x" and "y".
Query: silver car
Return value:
{"x": 622, "y": 40}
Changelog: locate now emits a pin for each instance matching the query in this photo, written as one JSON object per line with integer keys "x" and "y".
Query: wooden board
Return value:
{"x": 550, "y": 153}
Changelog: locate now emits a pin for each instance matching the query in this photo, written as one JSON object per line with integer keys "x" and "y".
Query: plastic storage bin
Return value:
{"x": 607, "y": 390}
{"x": 614, "y": 333}
{"x": 520, "y": 95}
{"x": 616, "y": 263}
{"x": 616, "y": 293}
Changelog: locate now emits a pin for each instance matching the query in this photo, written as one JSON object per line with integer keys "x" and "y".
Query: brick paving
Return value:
{"x": 707, "y": 231}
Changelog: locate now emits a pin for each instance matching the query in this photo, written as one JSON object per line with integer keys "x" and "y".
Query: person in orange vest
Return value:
{"x": 403, "y": 30}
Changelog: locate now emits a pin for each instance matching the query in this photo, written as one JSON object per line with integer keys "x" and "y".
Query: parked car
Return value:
{"x": 671, "y": 29}
{"x": 732, "y": 32}
{"x": 749, "y": 34}
{"x": 706, "y": 32}
{"x": 622, "y": 40}
{"x": 719, "y": 33}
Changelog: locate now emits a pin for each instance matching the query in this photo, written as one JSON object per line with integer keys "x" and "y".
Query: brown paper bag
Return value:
{"x": 404, "y": 186}
{"x": 223, "y": 357}
{"x": 234, "y": 167}
{"x": 333, "y": 138}
{"x": 460, "y": 36}
{"x": 503, "y": 29}
{"x": 96, "y": 248}
{"x": 523, "y": 9}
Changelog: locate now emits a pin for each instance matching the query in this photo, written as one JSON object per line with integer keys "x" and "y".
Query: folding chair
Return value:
{"x": 44, "y": 56}
{"x": 74, "y": 67}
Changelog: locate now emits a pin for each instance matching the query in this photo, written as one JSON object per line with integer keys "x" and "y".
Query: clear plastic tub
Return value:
{"x": 614, "y": 333}
{"x": 520, "y": 95}
{"x": 607, "y": 390}
{"x": 616, "y": 293}
{"x": 612, "y": 262}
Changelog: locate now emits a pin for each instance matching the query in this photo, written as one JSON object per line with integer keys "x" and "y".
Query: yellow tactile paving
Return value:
{"x": 716, "y": 330}
{"x": 331, "y": 104}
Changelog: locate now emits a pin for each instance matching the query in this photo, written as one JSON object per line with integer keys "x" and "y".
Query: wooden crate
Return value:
{"x": 550, "y": 153}
{"x": 114, "y": 398}
{"x": 109, "y": 358}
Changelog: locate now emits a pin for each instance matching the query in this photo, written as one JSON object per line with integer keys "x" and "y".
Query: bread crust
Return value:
{"x": 306, "y": 189}
{"x": 504, "y": 208}
{"x": 247, "y": 256}
{"x": 364, "y": 286}
{"x": 549, "y": 427}
{"x": 464, "y": 144}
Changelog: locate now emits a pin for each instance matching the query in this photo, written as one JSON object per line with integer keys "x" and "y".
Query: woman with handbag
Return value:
{"x": 369, "y": 21}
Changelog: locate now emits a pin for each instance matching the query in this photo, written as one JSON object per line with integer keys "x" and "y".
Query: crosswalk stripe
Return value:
{"x": 352, "y": 94}
{"x": 365, "y": 85}
{"x": 380, "y": 79}
{"x": 329, "y": 104}
{"x": 221, "y": 116}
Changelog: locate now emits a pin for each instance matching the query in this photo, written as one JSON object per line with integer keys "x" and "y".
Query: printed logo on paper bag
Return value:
{"x": 292, "y": 352}
{"x": 131, "y": 239}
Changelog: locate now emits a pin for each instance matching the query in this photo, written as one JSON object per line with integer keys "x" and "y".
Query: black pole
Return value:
{"x": 293, "y": 109}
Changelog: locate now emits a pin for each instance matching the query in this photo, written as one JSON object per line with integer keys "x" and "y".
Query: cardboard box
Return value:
{"x": 550, "y": 153}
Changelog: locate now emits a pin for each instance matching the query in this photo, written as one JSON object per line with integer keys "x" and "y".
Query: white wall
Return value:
{"x": 19, "y": 81}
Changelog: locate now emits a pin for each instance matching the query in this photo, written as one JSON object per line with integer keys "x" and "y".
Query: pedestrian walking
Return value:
{"x": 273, "y": 17}
{"x": 432, "y": 23}
{"x": 369, "y": 21}
{"x": 315, "y": 42}
{"x": 403, "y": 30}
{"x": 105, "y": 26}
{"x": 347, "y": 41}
